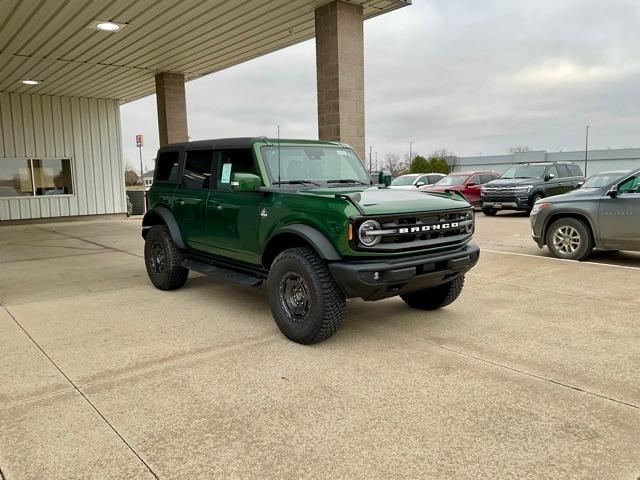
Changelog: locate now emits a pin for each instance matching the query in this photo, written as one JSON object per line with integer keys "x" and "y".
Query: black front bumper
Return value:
{"x": 506, "y": 203}
{"x": 402, "y": 275}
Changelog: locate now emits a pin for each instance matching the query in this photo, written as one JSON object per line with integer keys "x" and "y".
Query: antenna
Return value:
{"x": 279, "y": 179}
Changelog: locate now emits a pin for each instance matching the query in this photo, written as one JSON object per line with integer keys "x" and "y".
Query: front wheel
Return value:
{"x": 163, "y": 259}
{"x": 435, "y": 297}
{"x": 490, "y": 212}
{"x": 569, "y": 238}
{"x": 305, "y": 301}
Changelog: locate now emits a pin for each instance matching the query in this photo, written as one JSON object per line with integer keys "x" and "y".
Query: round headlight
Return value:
{"x": 366, "y": 239}
{"x": 469, "y": 217}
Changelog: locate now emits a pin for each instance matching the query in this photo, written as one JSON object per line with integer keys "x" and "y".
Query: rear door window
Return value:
{"x": 168, "y": 167}
{"x": 575, "y": 170}
{"x": 563, "y": 171}
{"x": 197, "y": 169}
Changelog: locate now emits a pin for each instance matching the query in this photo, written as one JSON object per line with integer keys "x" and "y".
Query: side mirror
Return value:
{"x": 384, "y": 178}
{"x": 419, "y": 184}
{"x": 579, "y": 184}
{"x": 471, "y": 184}
{"x": 613, "y": 192}
{"x": 549, "y": 176}
{"x": 245, "y": 182}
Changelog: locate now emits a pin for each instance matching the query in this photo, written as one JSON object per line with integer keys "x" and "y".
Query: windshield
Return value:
{"x": 601, "y": 179}
{"x": 404, "y": 180}
{"x": 525, "y": 171}
{"x": 452, "y": 180}
{"x": 313, "y": 164}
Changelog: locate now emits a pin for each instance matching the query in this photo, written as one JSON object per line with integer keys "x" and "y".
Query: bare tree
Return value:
{"x": 394, "y": 163}
{"x": 519, "y": 149}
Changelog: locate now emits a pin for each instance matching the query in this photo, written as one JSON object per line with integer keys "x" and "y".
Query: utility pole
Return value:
{"x": 377, "y": 162}
{"x": 410, "y": 152}
{"x": 370, "y": 155}
{"x": 139, "y": 143}
{"x": 586, "y": 150}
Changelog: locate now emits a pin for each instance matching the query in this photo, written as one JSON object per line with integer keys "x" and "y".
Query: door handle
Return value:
{"x": 180, "y": 202}
{"x": 213, "y": 203}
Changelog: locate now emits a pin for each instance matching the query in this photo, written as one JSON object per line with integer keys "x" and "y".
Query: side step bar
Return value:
{"x": 222, "y": 273}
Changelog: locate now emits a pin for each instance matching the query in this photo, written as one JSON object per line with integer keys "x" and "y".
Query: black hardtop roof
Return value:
{"x": 239, "y": 142}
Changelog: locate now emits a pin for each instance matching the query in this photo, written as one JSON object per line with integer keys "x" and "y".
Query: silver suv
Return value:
{"x": 604, "y": 213}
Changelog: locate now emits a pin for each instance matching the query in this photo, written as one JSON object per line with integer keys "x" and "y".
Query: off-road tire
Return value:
{"x": 585, "y": 242}
{"x": 171, "y": 274}
{"x": 435, "y": 297}
{"x": 323, "y": 303}
{"x": 489, "y": 212}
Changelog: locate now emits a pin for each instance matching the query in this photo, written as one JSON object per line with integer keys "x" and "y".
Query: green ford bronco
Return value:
{"x": 306, "y": 217}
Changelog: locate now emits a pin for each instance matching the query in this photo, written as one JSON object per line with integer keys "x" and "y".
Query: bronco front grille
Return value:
{"x": 419, "y": 230}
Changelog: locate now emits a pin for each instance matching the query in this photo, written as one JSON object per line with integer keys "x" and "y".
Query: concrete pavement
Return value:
{"x": 533, "y": 372}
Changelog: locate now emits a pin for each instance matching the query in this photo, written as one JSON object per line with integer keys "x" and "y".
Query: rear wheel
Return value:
{"x": 489, "y": 211}
{"x": 435, "y": 297}
{"x": 569, "y": 238}
{"x": 163, "y": 259}
{"x": 305, "y": 301}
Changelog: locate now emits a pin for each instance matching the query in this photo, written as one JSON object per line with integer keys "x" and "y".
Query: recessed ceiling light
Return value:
{"x": 106, "y": 25}
{"x": 31, "y": 82}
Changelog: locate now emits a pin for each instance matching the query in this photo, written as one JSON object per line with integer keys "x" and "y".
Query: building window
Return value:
{"x": 31, "y": 177}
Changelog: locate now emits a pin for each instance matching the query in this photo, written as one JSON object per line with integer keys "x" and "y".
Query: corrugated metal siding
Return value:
{"x": 86, "y": 130}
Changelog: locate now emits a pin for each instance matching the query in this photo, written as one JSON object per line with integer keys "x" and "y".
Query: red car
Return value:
{"x": 467, "y": 183}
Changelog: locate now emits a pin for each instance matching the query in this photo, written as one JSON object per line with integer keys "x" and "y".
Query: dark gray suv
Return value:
{"x": 604, "y": 213}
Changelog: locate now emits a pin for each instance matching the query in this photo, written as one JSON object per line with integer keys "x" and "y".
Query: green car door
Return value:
{"x": 190, "y": 198}
{"x": 233, "y": 218}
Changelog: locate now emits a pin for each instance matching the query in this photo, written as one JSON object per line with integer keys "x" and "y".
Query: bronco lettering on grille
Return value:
{"x": 429, "y": 228}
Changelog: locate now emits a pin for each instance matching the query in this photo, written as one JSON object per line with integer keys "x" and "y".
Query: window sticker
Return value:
{"x": 226, "y": 173}
{"x": 344, "y": 153}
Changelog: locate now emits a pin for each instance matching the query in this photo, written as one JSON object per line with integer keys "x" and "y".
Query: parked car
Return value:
{"x": 415, "y": 180}
{"x": 306, "y": 217}
{"x": 604, "y": 213}
{"x": 523, "y": 185}
{"x": 467, "y": 183}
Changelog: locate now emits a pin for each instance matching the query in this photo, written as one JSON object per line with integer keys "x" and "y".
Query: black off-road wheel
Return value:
{"x": 435, "y": 297}
{"x": 163, "y": 259}
{"x": 490, "y": 212}
{"x": 569, "y": 238}
{"x": 305, "y": 301}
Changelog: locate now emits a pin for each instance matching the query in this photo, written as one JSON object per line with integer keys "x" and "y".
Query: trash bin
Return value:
{"x": 137, "y": 199}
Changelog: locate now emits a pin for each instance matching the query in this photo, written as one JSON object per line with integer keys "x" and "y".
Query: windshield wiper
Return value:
{"x": 295, "y": 182}
{"x": 347, "y": 181}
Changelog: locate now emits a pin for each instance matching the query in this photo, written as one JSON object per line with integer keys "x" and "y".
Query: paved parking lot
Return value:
{"x": 532, "y": 373}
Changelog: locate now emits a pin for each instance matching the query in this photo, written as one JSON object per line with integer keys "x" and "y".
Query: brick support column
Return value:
{"x": 340, "y": 70}
{"x": 172, "y": 108}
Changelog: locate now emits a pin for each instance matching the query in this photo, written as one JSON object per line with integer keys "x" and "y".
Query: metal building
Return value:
{"x": 67, "y": 66}
{"x": 597, "y": 160}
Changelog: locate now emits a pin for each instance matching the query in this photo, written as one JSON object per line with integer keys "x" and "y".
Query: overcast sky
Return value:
{"x": 474, "y": 77}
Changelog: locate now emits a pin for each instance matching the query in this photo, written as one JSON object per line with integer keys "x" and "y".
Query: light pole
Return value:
{"x": 370, "y": 155}
{"x": 410, "y": 152}
{"x": 586, "y": 150}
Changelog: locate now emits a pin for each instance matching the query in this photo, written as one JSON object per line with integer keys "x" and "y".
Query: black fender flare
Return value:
{"x": 150, "y": 219}
{"x": 313, "y": 236}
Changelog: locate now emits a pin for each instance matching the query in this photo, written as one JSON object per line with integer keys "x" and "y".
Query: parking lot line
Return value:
{"x": 559, "y": 259}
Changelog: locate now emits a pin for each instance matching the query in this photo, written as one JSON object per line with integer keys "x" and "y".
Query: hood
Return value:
{"x": 441, "y": 188}
{"x": 577, "y": 195}
{"x": 385, "y": 201}
{"x": 507, "y": 182}
{"x": 403, "y": 187}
